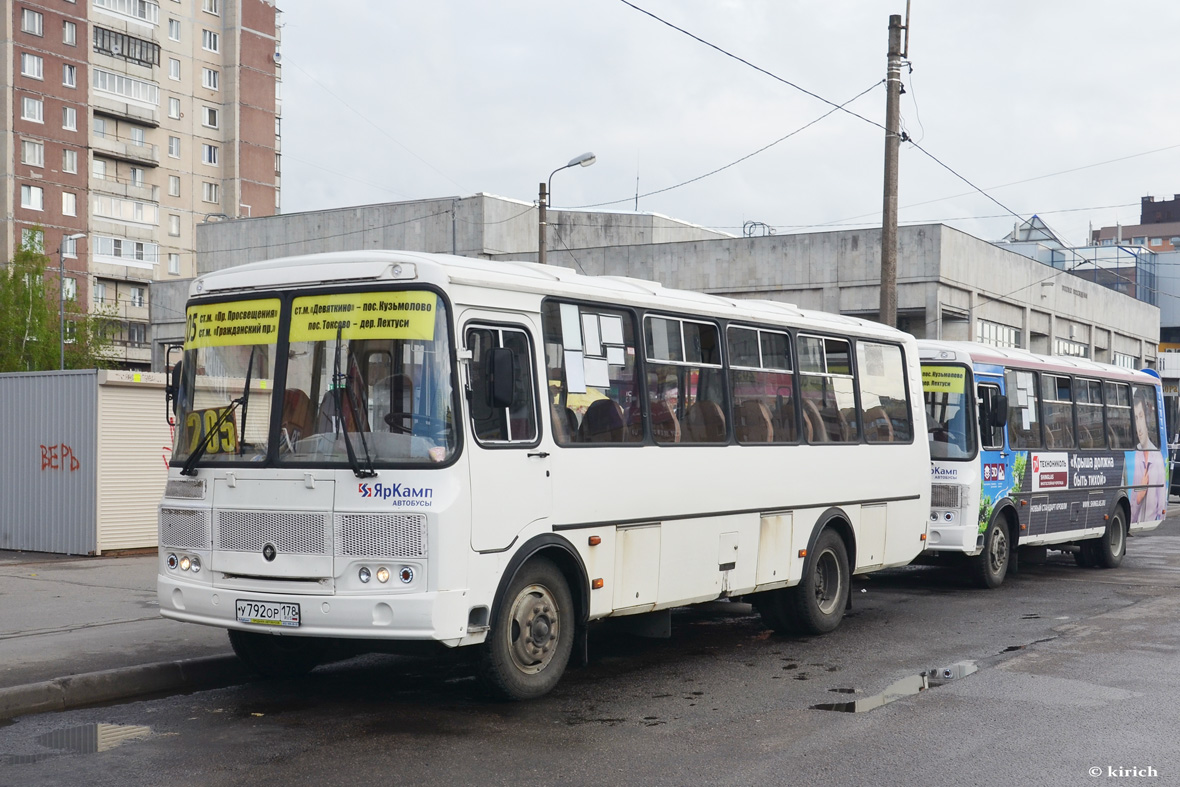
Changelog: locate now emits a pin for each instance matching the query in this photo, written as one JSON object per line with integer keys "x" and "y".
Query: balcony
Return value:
{"x": 123, "y": 187}
{"x": 125, "y": 149}
{"x": 109, "y": 106}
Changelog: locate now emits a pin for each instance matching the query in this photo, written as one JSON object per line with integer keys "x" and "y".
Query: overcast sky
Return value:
{"x": 389, "y": 100}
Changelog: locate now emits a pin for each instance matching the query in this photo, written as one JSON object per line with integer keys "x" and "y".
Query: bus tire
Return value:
{"x": 531, "y": 635}
{"x": 1108, "y": 550}
{"x": 818, "y": 601}
{"x": 991, "y": 565}
{"x": 272, "y": 656}
{"x": 1084, "y": 557}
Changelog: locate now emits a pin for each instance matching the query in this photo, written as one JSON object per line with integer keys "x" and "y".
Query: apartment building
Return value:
{"x": 130, "y": 122}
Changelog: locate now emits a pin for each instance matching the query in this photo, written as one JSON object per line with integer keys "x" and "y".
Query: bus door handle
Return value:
{"x": 541, "y": 454}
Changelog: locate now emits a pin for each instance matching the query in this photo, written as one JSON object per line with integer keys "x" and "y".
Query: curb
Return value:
{"x": 122, "y": 683}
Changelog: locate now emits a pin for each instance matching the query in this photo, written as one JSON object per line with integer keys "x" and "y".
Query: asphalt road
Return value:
{"x": 1059, "y": 671}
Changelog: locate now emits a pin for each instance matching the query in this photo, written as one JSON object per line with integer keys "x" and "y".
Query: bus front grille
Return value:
{"x": 185, "y": 528}
{"x": 381, "y": 535}
{"x": 946, "y": 496}
{"x": 291, "y": 532}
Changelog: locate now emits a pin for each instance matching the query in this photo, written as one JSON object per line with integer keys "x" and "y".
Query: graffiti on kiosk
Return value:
{"x": 59, "y": 457}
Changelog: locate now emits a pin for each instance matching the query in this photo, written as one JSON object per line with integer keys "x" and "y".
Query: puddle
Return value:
{"x": 906, "y": 687}
{"x": 84, "y": 739}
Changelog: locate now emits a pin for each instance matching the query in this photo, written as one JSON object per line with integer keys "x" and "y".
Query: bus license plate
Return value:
{"x": 268, "y": 613}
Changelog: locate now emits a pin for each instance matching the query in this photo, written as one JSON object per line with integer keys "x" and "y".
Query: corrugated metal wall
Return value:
{"x": 134, "y": 441}
{"x": 48, "y": 466}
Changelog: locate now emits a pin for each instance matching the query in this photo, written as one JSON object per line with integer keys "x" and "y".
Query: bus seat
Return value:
{"x": 816, "y": 431}
{"x": 784, "y": 421}
{"x": 665, "y": 427}
{"x": 296, "y": 418}
{"x": 602, "y": 423}
{"x": 754, "y": 424}
{"x": 561, "y": 432}
{"x": 704, "y": 423}
{"x": 878, "y": 428}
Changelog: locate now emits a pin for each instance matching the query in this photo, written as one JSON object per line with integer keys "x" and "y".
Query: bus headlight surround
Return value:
{"x": 185, "y": 562}
{"x": 195, "y": 565}
{"x": 173, "y": 561}
{"x": 364, "y": 575}
{"x": 406, "y": 575}
{"x": 383, "y": 575}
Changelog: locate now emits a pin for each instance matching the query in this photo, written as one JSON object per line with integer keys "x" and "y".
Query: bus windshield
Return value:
{"x": 223, "y": 409}
{"x": 950, "y": 421}
{"x": 368, "y": 373}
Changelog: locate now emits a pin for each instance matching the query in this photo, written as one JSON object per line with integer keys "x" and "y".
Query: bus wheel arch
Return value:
{"x": 537, "y": 620}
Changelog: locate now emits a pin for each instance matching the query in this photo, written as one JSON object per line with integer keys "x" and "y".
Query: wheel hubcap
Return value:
{"x": 536, "y": 627}
{"x": 827, "y": 583}
{"x": 1116, "y": 537}
{"x": 998, "y": 554}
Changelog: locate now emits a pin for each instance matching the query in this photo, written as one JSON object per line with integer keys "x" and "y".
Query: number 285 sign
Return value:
{"x": 200, "y": 423}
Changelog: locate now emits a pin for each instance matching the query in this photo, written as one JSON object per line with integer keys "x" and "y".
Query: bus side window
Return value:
{"x": 685, "y": 381}
{"x": 1024, "y": 421}
{"x": 880, "y": 375}
{"x": 1088, "y": 395}
{"x": 761, "y": 386}
{"x": 991, "y": 431}
{"x": 1118, "y": 416}
{"x": 826, "y": 383}
{"x": 517, "y": 422}
{"x": 1057, "y": 397}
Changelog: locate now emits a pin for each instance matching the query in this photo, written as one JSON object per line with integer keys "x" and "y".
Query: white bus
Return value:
{"x": 388, "y": 446}
{"x": 1035, "y": 451}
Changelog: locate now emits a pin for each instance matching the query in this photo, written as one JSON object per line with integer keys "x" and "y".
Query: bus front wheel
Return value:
{"x": 272, "y": 656}
{"x": 1108, "y": 550}
{"x": 532, "y": 634}
{"x": 991, "y": 565}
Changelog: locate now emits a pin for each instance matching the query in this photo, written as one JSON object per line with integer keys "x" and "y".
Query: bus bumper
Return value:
{"x": 440, "y": 615}
{"x": 965, "y": 539}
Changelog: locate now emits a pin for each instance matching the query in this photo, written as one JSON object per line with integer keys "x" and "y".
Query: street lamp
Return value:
{"x": 584, "y": 160}
{"x": 61, "y": 261}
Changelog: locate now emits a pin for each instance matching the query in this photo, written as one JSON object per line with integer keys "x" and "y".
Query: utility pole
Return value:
{"x": 541, "y": 223}
{"x": 888, "y": 312}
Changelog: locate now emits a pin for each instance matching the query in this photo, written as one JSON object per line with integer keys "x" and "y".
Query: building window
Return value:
{"x": 32, "y": 153}
{"x": 100, "y": 292}
{"x": 1070, "y": 349}
{"x": 209, "y": 154}
{"x": 174, "y": 147}
{"x": 210, "y": 192}
{"x": 1108, "y": 241}
{"x": 32, "y": 109}
{"x": 173, "y": 68}
{"x": 210, "y": 41}
{"x": 126, "y": 87}
{"x": 69, "y": 161}
{"x": 136, "y": 334}
{"x": 1157, "y": 241}
{"x": 70, "y": 287}
{"x": 278, "y": 164}
{"x": 210, "y": 117}
{"x": 31, "y": 22}
{"x": 209, "y": 78}
{"x": 123, "y": 251}
{"x": 173, "y": 185}
{"x": 69, "y": 246}
{"x": 174, "y": 264}
{"x": 100, "y": 126}
{"x": 69, "y": 75}
{"x": 210, "y": 6}
{"x": 1126, "y": 361}
{"x": 174, "y": 225}
{"x": 174, "y": 29}
{"x": 32, "y": 197}
{"x": 137, "y": 296}
{"x": 69, "y": 119}
{"x": 69, "y": 33}
{"x": 137, "y": 178}
{"x": 33, "y": 240}
{"x": 99, "y": 169}
{"x": 996, "y": 334}
{"x": 129, "y": 210}
{"x": 69, "y": 203}
{"x": 136, "y": 9}
{"x": 137, "y": 135}
{"x": 31, "y": 65}
{"x": 1139, "y": 241}
{"x": 174, "y": 108}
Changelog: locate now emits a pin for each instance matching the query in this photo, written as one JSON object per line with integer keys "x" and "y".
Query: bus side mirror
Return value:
{"x": 499, "y": 372}
{"x": 172, "y": 389}
{"x": 999, "y": 413}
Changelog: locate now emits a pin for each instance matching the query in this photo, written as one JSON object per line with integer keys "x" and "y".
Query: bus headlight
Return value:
{"x": 173, "y": 561}
{"x": 383, "y": 575}
{"x": 185, "y": 562}
{"x": 364, "y": 575}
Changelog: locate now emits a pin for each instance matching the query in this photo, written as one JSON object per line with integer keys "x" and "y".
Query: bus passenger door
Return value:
{"x": 510, "y": 485}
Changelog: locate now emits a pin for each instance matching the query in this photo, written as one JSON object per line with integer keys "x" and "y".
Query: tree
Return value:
{"x": 30, "y": 314}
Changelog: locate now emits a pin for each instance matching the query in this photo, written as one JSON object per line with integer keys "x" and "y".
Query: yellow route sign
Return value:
{"x": 364, "y": 315}
{"x": 944, "y": 379}
{"x": 232, "y": 323}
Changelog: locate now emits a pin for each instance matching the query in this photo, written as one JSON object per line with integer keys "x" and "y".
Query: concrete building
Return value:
{"x": 950, "y": 285}
{"x": 133, "y": 122}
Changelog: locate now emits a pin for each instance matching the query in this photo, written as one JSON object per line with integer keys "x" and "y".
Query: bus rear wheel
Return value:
{"x": 272, "y": 656}
{"x": 532, "y": 634}
{"x": 816, "y": 605}
{"x": 1108, "y": 550}
{"x": 991, "y": 565}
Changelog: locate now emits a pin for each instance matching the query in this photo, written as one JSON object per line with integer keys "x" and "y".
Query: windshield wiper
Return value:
{"x": 190, "y": 464}
{"x": 339, "y": 390}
